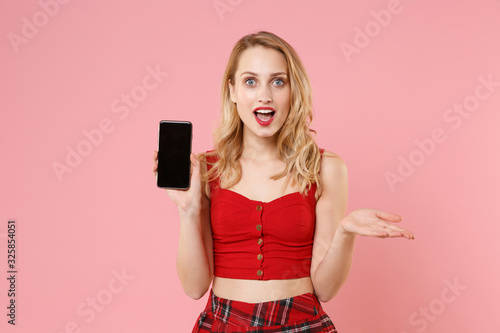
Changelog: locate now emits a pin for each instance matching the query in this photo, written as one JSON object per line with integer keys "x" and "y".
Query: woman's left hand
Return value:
{"x": 373, "y": 222}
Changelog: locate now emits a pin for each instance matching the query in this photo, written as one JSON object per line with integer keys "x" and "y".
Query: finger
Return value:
{"x": 383, "y": 230}
{"x": 394, "y": 231}
{"x": 388, "y": 226}
{"x": 195, "y": 167}
{"x": 193, "y": 158}
{"x": 393, "y": 234}
{"x": 404, "y": 234}
{"x": 380, "y": 234}
{"x": 155, "y": 158}
{"x": 393, "y": 228}
{"x": 194, "y": 161}
{"x": 388, "y": 216}
{"x": 372, "y": 232}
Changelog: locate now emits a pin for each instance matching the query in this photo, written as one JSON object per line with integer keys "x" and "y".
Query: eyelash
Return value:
{"x": 277, "y": 79}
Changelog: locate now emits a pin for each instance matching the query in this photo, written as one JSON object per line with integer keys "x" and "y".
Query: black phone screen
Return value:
{"x": 174, "y": 149}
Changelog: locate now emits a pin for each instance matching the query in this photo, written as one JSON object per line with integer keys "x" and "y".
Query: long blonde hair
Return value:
{"x": 296, "y": 146}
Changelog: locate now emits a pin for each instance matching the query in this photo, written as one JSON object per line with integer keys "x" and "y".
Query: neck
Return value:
{"x": 258, "y": 148}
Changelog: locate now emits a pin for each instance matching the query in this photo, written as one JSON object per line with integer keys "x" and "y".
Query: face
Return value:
{"x": 261, "y": 91}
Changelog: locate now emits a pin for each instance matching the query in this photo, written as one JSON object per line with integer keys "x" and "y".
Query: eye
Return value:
{"x": 280, "y": 82}
{"x": 250, "y": 81}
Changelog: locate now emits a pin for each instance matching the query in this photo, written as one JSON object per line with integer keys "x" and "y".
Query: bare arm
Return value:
{"x": 335, "y": 233}
{"x": 195, "y": 250}
{"x": 332, "y": 251}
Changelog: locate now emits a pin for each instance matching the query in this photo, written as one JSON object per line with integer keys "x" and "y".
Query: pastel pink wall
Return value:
{"x": 388, "y": 80}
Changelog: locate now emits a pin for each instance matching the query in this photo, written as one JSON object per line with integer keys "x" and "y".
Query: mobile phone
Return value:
{"x": 174, "y": 150}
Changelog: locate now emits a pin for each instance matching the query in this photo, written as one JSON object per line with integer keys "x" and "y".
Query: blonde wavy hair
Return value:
{"x": 295, "y": 145}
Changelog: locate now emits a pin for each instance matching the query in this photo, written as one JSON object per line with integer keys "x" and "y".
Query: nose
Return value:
{"x": 265, "y": 95}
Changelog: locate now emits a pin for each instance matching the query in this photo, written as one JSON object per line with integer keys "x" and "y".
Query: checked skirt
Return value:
{"x": 302, "y": 313}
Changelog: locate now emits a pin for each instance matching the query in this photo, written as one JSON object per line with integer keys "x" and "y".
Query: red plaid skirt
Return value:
{"x": 301, "y": 313}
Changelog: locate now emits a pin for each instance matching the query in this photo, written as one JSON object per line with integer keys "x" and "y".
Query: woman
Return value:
{"x": 264, "y": 218}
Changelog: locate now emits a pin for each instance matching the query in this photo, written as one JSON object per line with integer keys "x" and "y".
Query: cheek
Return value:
{"x": 283, "y": 97}
{"x": 284, "y": 102}
{"x": 247, "y": 95}
{"x": 242, "y": 95}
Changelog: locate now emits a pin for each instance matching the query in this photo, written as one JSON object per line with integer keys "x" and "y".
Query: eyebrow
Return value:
{"x": 272, "y": 74}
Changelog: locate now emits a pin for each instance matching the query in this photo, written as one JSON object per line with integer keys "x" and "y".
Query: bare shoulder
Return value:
{"x": 333, "y": 173}
{"x": 332, "y": 163}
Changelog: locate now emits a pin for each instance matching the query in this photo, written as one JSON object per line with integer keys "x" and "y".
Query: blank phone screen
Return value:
{"x": 174, "y": 148}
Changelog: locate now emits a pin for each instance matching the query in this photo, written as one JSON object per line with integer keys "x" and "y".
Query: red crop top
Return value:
{"x": 261, "y": 240}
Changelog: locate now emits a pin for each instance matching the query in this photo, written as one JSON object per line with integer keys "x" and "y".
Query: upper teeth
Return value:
{"x": 264, "y": 111}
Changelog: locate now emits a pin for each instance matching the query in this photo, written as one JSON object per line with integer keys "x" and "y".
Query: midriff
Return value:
{"x": 256, "y": 291}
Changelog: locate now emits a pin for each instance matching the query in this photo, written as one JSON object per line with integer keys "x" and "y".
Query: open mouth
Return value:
{"x": 264, "y": 115}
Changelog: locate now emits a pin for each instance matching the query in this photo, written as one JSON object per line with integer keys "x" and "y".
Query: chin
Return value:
{"x": 269, "y": 134}
{"x": 263, "y": 132}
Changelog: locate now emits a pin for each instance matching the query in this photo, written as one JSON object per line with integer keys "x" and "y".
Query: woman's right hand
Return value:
{"x": 188, "y": 201}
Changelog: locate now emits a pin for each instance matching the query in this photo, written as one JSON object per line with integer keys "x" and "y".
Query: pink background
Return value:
{"x": 106, "y": 217}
